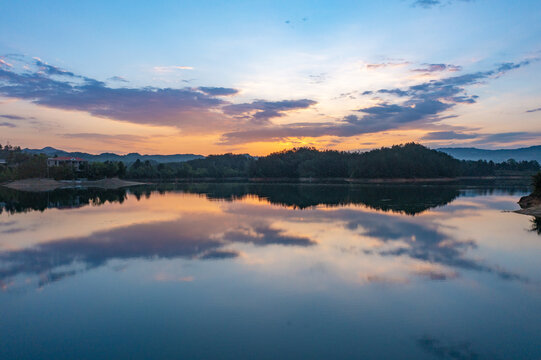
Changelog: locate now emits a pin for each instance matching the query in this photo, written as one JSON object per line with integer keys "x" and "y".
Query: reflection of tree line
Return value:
{"x": 536, "y": 225}
{"x": 13, "y": 201}
{"x": 406, "y": 199}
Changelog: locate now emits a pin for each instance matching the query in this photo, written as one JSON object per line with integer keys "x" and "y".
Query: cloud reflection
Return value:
{"x": 190, "y": 237}
{"x": 372, "y": 232}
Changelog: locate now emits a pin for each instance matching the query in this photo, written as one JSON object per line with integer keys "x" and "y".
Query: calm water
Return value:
{"x": 233, "y": 271}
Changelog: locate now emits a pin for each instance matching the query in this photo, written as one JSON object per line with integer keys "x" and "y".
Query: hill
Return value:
{"x": 127, "y": 159}
{"x": 520, "y": 154}
{"x": 407, "y": 161}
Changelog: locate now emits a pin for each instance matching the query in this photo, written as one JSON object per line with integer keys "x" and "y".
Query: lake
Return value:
{"x": 270, "y": 271}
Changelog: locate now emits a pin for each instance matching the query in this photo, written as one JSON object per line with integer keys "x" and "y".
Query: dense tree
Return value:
{"x": 400, "y": 161}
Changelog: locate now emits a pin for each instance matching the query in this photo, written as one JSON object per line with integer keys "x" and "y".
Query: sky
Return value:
{"x": 261, "y": 76}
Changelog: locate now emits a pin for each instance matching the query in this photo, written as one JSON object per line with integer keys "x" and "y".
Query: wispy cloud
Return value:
{"x": 427, "y": 4}
{"x": 217, "y": 91}
{"x": 509, "y": 137}
{"x": 391, "y": 64}
{"x": 7, "y": 124}
{"x": 4, "y": 63}
{"x": 261, "y": 111}
{"x": 166, "y": 69}
{"x": 533, "y": 110}
{"x": 118, "y": 78}
{"x": 438, "y": 67}
{"x": 105, "y": 137}
{"x": 448, "y": 135}
{"x": 52, "y": 70}
{"x": 476, "y": 139}
{"x": 12, "y": 117}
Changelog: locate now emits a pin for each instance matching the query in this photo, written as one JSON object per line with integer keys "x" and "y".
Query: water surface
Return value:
{"x": 246, "y": 271}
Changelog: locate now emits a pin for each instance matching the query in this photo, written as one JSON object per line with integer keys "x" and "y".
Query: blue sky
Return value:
{"x": 299, "y": 73}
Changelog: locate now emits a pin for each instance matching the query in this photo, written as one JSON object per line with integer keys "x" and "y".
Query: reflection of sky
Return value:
{"x": 355, "y": 243}
{"x": 221, "y": 271}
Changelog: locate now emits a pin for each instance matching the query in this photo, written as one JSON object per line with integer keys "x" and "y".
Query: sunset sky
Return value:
{"x": 259, "y": 76}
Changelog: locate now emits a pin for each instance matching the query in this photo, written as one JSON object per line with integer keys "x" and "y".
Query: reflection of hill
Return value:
{"x": 406, "y": 199}
{"x": 13, "y": 201}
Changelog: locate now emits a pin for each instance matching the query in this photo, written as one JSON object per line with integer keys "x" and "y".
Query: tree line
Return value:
{"x": 400, "y": 161}
{"x": 409, "y": 160}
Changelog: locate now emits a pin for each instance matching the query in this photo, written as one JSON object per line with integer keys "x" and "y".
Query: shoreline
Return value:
{"x": 337, "y": 180}
{"x": 44, "y": 185}
{"x": 534, "y": 211}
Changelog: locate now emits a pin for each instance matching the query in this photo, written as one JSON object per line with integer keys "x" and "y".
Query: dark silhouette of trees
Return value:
{"x": 400, "y": 161}
{"x": 409, "y": 161}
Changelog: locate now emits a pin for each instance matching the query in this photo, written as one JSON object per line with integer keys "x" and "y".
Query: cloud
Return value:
{"x": 194, "y": 109}
{"x": 166, "y": 69}
{"x": 105, "y": 137}
{"x": 261, "y": 111}
{"x": 483, "y": 139}
{"x": 217, "y": 91}
{"x": 533, "y": 110}
{"x": 418, "y": 105}
{"x": 377, "y": 118}
{"x": 317, "y": 78}
{"x": 438, "y": 68}
{"x": 52, "y": 70}
{"x": 511, "y": 137}
{"x": 4, "y": 63}
{"x": 118, "y": 78}
{"x": 426, "y": 3}
{"x": 7, "y": 124}
{"x": 431, "y": 3}
{"x": 155, "y": 106}
{"x": 219, "y": 255}
{"x": 448, "y": 135}
{"x": 376, "y": 66}
{"x": 12, "y": 117}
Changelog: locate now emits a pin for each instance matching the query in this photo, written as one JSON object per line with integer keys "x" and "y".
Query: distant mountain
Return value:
{"x": 529, "y": 153}
{"x": 129, "y": 158}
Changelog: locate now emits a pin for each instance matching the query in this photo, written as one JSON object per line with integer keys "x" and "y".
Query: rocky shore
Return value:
{"x": 530, "y": 205}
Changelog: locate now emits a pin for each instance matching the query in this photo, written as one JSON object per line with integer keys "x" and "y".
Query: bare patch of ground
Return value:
{"x": 38, "y": 185}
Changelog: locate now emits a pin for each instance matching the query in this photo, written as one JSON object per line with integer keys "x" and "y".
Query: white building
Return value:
{"x": 76, "y": 162}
